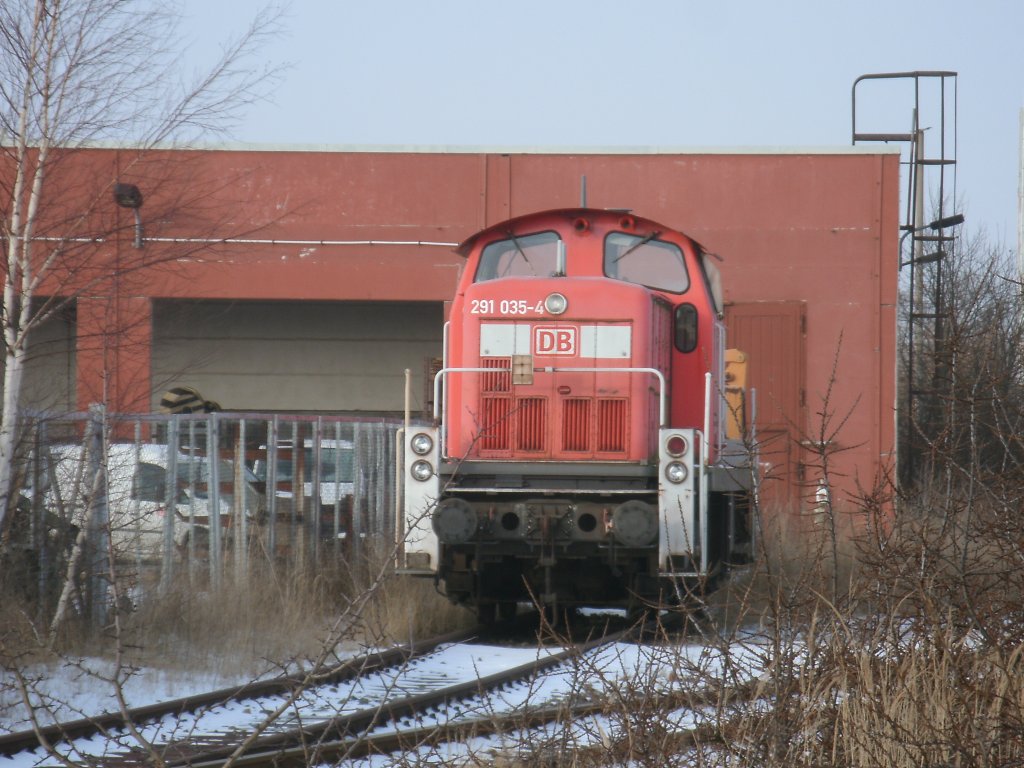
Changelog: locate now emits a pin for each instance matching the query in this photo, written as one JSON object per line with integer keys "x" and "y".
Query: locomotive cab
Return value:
{"x": 578, "y": 451}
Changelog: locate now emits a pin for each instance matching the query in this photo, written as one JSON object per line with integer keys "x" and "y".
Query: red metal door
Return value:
{"x": 773, "y": 334}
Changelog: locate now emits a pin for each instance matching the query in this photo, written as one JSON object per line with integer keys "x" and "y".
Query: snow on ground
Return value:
{"x": 74, "y": 693}
{"x": 79, "y": 688}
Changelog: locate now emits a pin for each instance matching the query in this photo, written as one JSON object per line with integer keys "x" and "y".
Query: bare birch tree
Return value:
{"x": 74, "y": 74}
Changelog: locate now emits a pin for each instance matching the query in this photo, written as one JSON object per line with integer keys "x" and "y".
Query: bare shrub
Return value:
{"x": 270, "y": 615}
{"x": 404, "y": 607}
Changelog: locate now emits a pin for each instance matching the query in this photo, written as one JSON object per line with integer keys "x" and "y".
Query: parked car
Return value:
{"x": 331, "y": 478}
{"x": 137, "y": 484}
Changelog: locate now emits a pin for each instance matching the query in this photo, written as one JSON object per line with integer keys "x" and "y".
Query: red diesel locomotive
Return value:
{"x": 578, "y": 453}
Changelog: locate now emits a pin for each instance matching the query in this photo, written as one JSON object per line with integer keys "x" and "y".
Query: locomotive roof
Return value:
{"x": 513, "y": 224}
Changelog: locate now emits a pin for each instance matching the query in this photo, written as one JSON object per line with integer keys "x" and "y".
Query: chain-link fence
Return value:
{"x": 194, "y": 497}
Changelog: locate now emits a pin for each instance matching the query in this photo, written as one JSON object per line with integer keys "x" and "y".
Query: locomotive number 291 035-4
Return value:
{"x": 505, "y": 307}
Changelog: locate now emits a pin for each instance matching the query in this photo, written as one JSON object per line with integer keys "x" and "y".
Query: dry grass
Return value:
{"x": 269, "y": 617}
{"x": 797, "y": 565}
{"x": 281, "y": 614}
{"x": 916, "y": 659}
{"x": 403, "y": 607}
{"x": 409, "y": 607}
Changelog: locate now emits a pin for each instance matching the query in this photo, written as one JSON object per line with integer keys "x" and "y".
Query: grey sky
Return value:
{"x": 595, "y": 73}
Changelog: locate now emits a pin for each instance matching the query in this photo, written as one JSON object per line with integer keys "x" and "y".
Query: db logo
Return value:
{"x": 554, "y": 341}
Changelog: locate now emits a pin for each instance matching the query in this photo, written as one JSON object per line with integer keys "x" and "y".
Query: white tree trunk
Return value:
{"x": 76, "y": 72}
{"x": 15, "y": 368}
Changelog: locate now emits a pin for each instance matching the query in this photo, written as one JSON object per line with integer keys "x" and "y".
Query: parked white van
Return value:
{"x": 137, "y": 479}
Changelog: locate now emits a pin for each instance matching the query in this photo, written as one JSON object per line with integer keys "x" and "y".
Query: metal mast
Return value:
{"x": 926, "y": 373}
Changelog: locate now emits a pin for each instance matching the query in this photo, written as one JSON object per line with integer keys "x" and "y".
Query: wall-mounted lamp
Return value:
{"x": 949, "y": 221}
{"x": 129, "y": 196}
{"x": 939, "y": 224}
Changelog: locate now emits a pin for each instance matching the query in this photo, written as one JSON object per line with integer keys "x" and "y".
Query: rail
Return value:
{"x": 335, "y": 737}
{"x": 21, "y": 741}
{"x": 278, "y": 728}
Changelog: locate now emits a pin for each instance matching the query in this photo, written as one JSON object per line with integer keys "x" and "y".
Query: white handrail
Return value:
{"x": 662, "y": 397}
{"x": 438, "y": 377}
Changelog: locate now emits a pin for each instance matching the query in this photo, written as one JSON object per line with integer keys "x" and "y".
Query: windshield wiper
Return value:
{"x": 521, "y": 252}
{"x": 643, "y": 241}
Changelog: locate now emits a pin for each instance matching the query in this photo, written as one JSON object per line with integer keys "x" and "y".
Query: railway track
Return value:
{"x": 378, "y": 703}
{"x": 23, "y": 743}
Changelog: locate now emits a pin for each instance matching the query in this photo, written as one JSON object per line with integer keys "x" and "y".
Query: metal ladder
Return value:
{"x": 926, "y": 372}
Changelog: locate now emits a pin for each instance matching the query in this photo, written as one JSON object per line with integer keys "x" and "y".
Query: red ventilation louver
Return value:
{"x": 531, "y": 423}
{"x": 496, "y": 427}
{"x": 498, "y": 381}
{"x": 576, "y": 424}
{"x": 509, "y": 424}
{"x": 611, "y": 426}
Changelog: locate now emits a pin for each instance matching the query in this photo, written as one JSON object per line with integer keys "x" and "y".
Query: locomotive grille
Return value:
{"x": 531, "y": 423}
{"x": 575, "y": 424}
{"x": 498, "y": 381}
{"x": 496, "y": 428}
{"x": 611, "y": 425}
{"x": 584, "y": 426}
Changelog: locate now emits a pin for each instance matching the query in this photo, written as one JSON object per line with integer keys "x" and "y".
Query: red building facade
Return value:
{"x": 807, "y": 241}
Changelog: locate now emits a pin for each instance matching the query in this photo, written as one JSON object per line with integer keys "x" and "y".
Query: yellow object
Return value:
{"x": 735, "y": 393}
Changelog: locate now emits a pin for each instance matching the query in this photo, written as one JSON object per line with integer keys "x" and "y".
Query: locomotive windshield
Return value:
{"x": 646, "y": 261}
{"x": 527, "y": 256}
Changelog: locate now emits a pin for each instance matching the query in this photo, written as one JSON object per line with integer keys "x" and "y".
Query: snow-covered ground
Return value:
{"x": 81, "y": 687}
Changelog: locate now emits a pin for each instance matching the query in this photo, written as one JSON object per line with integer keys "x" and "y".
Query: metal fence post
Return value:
{"x": 380, "y": 478}
{"x": 99, "y": 519}
{"x": 314, "y": 486}
{"x": 38, "y": 541}
{"x": 135, "y": 504}
{"x": 336, "y": 538}
{"x": 213, "y": 497}
{"x": 271, "y": 487}
{"x": 238, "y": 493}
{"x": 170, "y": 505}
{"x": 295, "y": 531}
{"x": 358, "y": 489}
{"x": 191, "y": 501}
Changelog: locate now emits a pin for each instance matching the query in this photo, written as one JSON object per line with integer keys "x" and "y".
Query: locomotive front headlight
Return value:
{"x": 676, "y": 445}
{"x": 556, "y": 304}
{"x": 676, "y": 472}
{"x": 421, "y": 444}
{"x": 421, "y": 470}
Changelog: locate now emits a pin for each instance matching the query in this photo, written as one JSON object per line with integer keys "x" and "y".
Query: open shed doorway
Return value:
{"x": 295, "y": 356}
